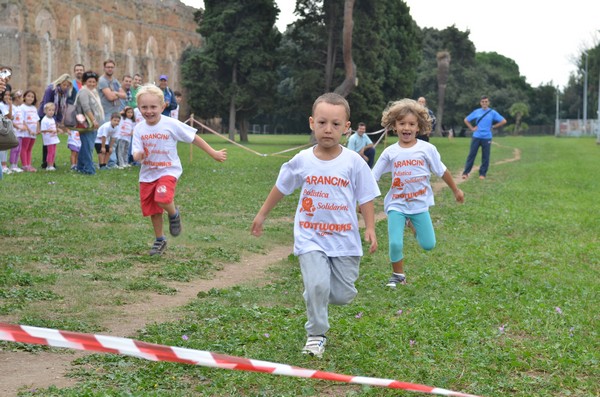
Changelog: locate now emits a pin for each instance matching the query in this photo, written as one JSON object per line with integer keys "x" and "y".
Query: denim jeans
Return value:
{"x": 85, "y": 160}
{"x": 486, "y": 145}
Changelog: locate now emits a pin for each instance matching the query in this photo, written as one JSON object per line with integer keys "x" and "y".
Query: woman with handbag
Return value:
{"x": 88, "y": 105}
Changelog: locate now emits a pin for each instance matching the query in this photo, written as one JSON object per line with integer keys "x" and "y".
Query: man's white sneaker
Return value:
{"x": 315, "y": 345}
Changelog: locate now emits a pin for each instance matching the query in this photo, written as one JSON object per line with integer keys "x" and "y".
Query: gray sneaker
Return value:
{"x": 175, "y": 225}
{"x": 396, "y": 279}
{"x": 315, "y": 345}
{"x": 158, "y": 247}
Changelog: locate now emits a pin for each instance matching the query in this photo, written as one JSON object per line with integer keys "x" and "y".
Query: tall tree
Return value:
{"x": 233, "y": 74}
{"x": 349, "y": 65}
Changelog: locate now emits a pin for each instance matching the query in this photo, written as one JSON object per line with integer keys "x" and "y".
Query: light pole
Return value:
{"x": 585, "y": 88}
{"x": 598, "y": 114}
{"x": 557, "y": 121}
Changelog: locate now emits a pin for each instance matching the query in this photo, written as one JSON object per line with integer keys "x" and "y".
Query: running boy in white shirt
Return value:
{"x": 155, "y": 146}
{"x": 326, "y": 236}
{"x": 411, "y": 162}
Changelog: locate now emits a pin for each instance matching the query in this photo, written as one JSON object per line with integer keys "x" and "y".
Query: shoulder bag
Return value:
{"x": 8, "y": 139}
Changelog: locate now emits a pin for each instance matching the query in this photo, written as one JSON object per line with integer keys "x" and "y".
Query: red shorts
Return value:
{"x": 161, "y": 191}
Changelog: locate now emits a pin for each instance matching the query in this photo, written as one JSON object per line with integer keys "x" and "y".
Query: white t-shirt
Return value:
{"x": 49, "y": 138}
{"x": 125, "y": 129}
{"x": 411, "y": 170}
{"x": 175, "y": 113}
{"x": 138, "y": 116}
{"x": 108, "y": 131}
{"x": 74, "y": 139}
{"x": 31, "y": 117}
{"x": 159, "y": 142}
{"x": 326, "y": 218}
{"x": 18, "y": 123}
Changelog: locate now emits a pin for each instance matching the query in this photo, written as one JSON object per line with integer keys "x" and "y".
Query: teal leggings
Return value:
{"x": 396, "y": 224}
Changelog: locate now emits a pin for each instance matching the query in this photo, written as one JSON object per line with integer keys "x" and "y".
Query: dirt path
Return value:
{"x": 23, "y": 370}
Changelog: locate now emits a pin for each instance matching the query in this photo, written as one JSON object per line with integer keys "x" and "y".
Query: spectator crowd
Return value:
{"x": 110, "y": 112}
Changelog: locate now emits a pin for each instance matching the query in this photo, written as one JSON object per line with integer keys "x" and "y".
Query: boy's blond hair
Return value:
{"x": 333, "y": 99}
{"x": 398, "y": 109}
{"x": 152, "y": 90}
{"x": 49, "y": 105}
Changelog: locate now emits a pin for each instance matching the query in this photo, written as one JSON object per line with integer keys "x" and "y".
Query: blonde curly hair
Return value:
{"x": 397, "y": 110}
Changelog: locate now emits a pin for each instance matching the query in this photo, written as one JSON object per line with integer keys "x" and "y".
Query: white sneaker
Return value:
{"x": 16, "y": 169}
{"x": 50, "y": 168}
{"x": 6, "y": 171}
{"x": 315, "y": 345}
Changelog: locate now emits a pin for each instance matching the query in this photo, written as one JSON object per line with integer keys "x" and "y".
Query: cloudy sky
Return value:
{"x": 543, "y": 38}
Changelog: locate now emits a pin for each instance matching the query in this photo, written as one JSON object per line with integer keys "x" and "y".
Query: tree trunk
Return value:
{"x": 232, "y": 110}
{"x": 349, "y": 66}
{"x": 244, "y": 124}
{"x": 443, "y": 62}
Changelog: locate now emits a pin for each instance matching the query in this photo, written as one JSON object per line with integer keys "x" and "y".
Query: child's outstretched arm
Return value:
{"x": 273, "y": 198}
{"x": 458, "y": 194}
{"x": 368, "y": 212}
{"x": 218, "y": 155}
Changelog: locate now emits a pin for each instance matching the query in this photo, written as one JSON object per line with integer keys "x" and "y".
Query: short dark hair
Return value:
{"x": 109, "y": 61}
{"x": 78, "y": 64}
{"x": 361, "y": 124}
{"x": 89, "y": 75}
{"x": 484, "y": 97}
{"x": 177, "y": 93}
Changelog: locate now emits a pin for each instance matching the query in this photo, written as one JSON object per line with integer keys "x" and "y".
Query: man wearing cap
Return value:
{"x": 481, "y": 122}
{"x": 169, "y": 95}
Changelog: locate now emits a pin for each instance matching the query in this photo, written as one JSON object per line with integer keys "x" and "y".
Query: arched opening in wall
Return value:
{"x": 79, "y": 41}
{"x": 151, "y": 51}
{"x": 130, "y": 50}
{"x": 48, "y": 57}
{"x": 45, "y": 27}
{"x": 107, "y": 42}
{"x": 173, "y": 64}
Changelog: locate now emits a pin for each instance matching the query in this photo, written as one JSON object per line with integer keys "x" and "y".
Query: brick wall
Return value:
{"x": 42, "y": 39}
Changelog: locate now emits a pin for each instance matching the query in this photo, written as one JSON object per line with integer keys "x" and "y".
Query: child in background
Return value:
{"x": 125, "y": 131}
{"x": 178, "y": 98}
{"x": 155, "y": 145}
{"x": 327, "y": 241}
{"x": 32, "y": 126}
{"x": 50, "y": 132}
{"x": 20, "y": 132}
{"x": 106, "y": 139}
{"x": 411, "y": 162}
{"x": 74, "y": 145}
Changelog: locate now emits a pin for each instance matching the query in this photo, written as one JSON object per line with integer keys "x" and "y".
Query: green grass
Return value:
{"x": 506, "y": 304}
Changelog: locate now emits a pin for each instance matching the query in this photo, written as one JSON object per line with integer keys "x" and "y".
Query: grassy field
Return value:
{"x": 506, "y": 304}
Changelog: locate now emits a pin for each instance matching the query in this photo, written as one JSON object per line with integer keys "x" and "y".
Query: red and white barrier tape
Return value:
{"x": 153, "y": 352}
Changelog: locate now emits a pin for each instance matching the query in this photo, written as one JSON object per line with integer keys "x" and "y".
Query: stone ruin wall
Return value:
{"x": 42, "y": 39}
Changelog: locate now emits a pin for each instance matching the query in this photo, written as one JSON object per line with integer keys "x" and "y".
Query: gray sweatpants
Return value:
{"x": 326, "y": 280}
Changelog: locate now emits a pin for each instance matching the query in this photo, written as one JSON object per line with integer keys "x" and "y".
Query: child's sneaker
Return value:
{"x": 175, "y": 225}
{"x": 6, "y": 171}
{"x": 158, "y": 247}
{"x": 315, "y": 345}
{"x": 16, "y": 169}
{"x": 50, "y": 168}
{"x": 397, "y": 278}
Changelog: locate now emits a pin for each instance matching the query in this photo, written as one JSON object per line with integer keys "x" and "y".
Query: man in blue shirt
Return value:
{"x": 481, "y": 122}
{"x": 169, "y": 95}
{"x": 362, "y": 144}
